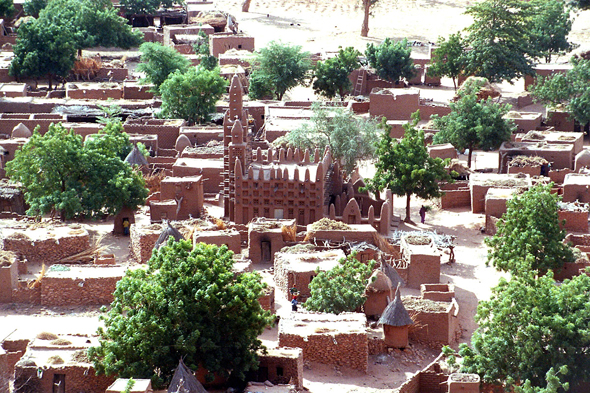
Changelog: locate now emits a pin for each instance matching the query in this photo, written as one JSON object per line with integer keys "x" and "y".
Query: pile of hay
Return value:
{"x": 326, "y": 224}
{"x": 47, "y": 336}
{"x": 60, "y": 341}
{"x": 523, "y": 161}
{"x": 6, "y": 258}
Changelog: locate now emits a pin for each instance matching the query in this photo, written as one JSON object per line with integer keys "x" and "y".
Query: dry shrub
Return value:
{"x": 153, "y": 181}
{"x": 6, "y": 258}
{"x": 220, "y": 224}
{"x": 47, "y": 336}
{"x": 80, "y": 356}
{"x": 289, "y": 233}
{"x": 326, "y": 224}
{"x": 61, "y": 341}
{"x": 34, "y": 284}
{"x": 55, "y": 359}
{"x": 19, "y": 236}
{"x": 86, "y": 68}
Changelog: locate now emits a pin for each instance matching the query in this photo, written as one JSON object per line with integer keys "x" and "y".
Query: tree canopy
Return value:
{"x": 404, "y": 166}
{"x": 571, "y": 90}
{"x": 448, "y": 59}
{"x": 159, "y": 61}
{"x": 340, "y": 289}
{"x": 139, "y": 7}
{"x": 332, "y": 75}
{"x": 60, "y": 173}
{"x": 43, "y": 50}
{"x": 549, "y": 28}
{"x": 350, "y": 138}
{"x": 91, "y": 23}
{"x": 391, "y": 59}
{"x": 498, "y": 41}
{"x": 474, "y": 123}
{"x": 192, "y": 95}
{"x": 188, "y": 304}
{"x": 6, "y": 8}
{"x": 531, "y": 332}
{"x": 33, "y": 7}
{"x": 278, "y": 68}
{"x": 529, "y": 232}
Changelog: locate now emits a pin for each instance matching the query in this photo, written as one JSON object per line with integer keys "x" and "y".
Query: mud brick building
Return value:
{"x": 327, "y": 338}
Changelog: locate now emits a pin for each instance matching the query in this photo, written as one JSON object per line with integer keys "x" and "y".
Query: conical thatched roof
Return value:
{"x": 135, "y": 157}
{"x": 183, "y": 381}
{"x": 166, "y": 233}
{"x": 379, "y": 282}
{"x": 392, "y": 274}
{"x": 395, "y": 314}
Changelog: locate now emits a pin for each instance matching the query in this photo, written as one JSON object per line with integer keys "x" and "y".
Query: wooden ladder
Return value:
{"x": 358, "y": 87}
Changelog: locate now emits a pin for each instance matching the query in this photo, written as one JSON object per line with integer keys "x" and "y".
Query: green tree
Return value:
{"x": 571, "y": 90}
{"x": 201, "y": 48}
{"x": 6, "y": 8}
{"x": 33, "y": 7}
{"x": 530, "y": 227}
{"x": 159, "y": 62}
{"x": 391, "y": 60}
{"x": 529, "y": 328}
{"x": 350, "y": 138}
{"x": 474, "y": 123}
{"x": 111, "y": 140}
{"x": 91, "y": 23}
{"x": 340, "y": 289}
{"x": 187, "y": 304}
{"x": 42, "y": 50}
{"x": 59, "y": 173}
{"x": 139, "y": 7}
{"x": 332, "y": 75}
{"x": 278, "y": 68}
{"x": 192, "y": 95}
{"x": 498, "y": 40}
{"x": 550, "y": 27}
{"x": 580, "y": 4}
{"x": 404, "y": 166}
{"x": 367, "y": 5}
{"x": 448, "y": 58}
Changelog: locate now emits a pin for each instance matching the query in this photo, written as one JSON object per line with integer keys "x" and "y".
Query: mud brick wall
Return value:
{"x": 376, "y": 345}
{"x": 434, "y": 327}
{"x": 68, "y": 291}
{"x": 411, "y": 385}
{"x": 47, "y": 251}
{"x": 167, "y": 134}
{"x": 288, "y": 362}
{"x": 94, "y": 93}
{"x": 570, "y": 270}
{"x": 529, "y": 170}
{"x": 222, "y": 43}
{"x": 113, "y": 74}
{"x": 433, "y": 382}
{"x": 574, "y": 221}
{"x": 267, "y": 301}
{"x": 455, "y": 195}
{"x": 437, "y": 292}
{"x": 427, "y": 110}
{"x": 558, "y": 176}
{"x": 5, "y": 371}
{"x": 478, "y": 198}
{"x": 350, "y": 350}
{"x": 78, "y": 378}
{"x": 8, "y": 281}
{"x": 26, "y": 295}
{"x": 423, "y": 269}
{"x": 142, "y": 244}
{"x": 578, "y": 240}
{"x": 10, "y": 120}
{"x": 490, "y": 225}
{"x": 137, "y": 92}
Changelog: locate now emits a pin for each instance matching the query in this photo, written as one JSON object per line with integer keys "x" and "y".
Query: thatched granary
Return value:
{"x": 182, "y": 142}
{"x": 183, "y": 381}
{"x": 582, "y": 160}
{"x": 21, "y": 131}
{"x": 170, "y": 231}
{"x": 392, "y": 274}
{"x": 136, "y": 157}
{"x": 378, "y": 293}
{"x": 396, "y": 321}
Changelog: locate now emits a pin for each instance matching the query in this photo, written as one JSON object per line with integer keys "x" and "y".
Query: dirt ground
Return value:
{"x": 324, "y": 25}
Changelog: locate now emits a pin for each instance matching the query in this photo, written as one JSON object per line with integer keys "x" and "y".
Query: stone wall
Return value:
{"x": 47, "y": 247}
{"x": 142, "y": 242}
{"x": 426, "y": 380}
{"x": 281, "y": 366}
{"x": 267, "y": 300}
{"x": 79, "y": 291}
{"x": 327, "y": 338}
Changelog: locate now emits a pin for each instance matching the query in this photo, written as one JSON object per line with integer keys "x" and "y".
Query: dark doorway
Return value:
{"x": 59, "y": 383}
{"x": 301, "y": 219}
{"x": 265, "y": 246}
{"x": 262, "y": 374}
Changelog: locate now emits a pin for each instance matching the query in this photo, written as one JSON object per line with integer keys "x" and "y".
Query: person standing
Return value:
{"x": 422, "y": 214}
{"x": 294, "y": 304}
